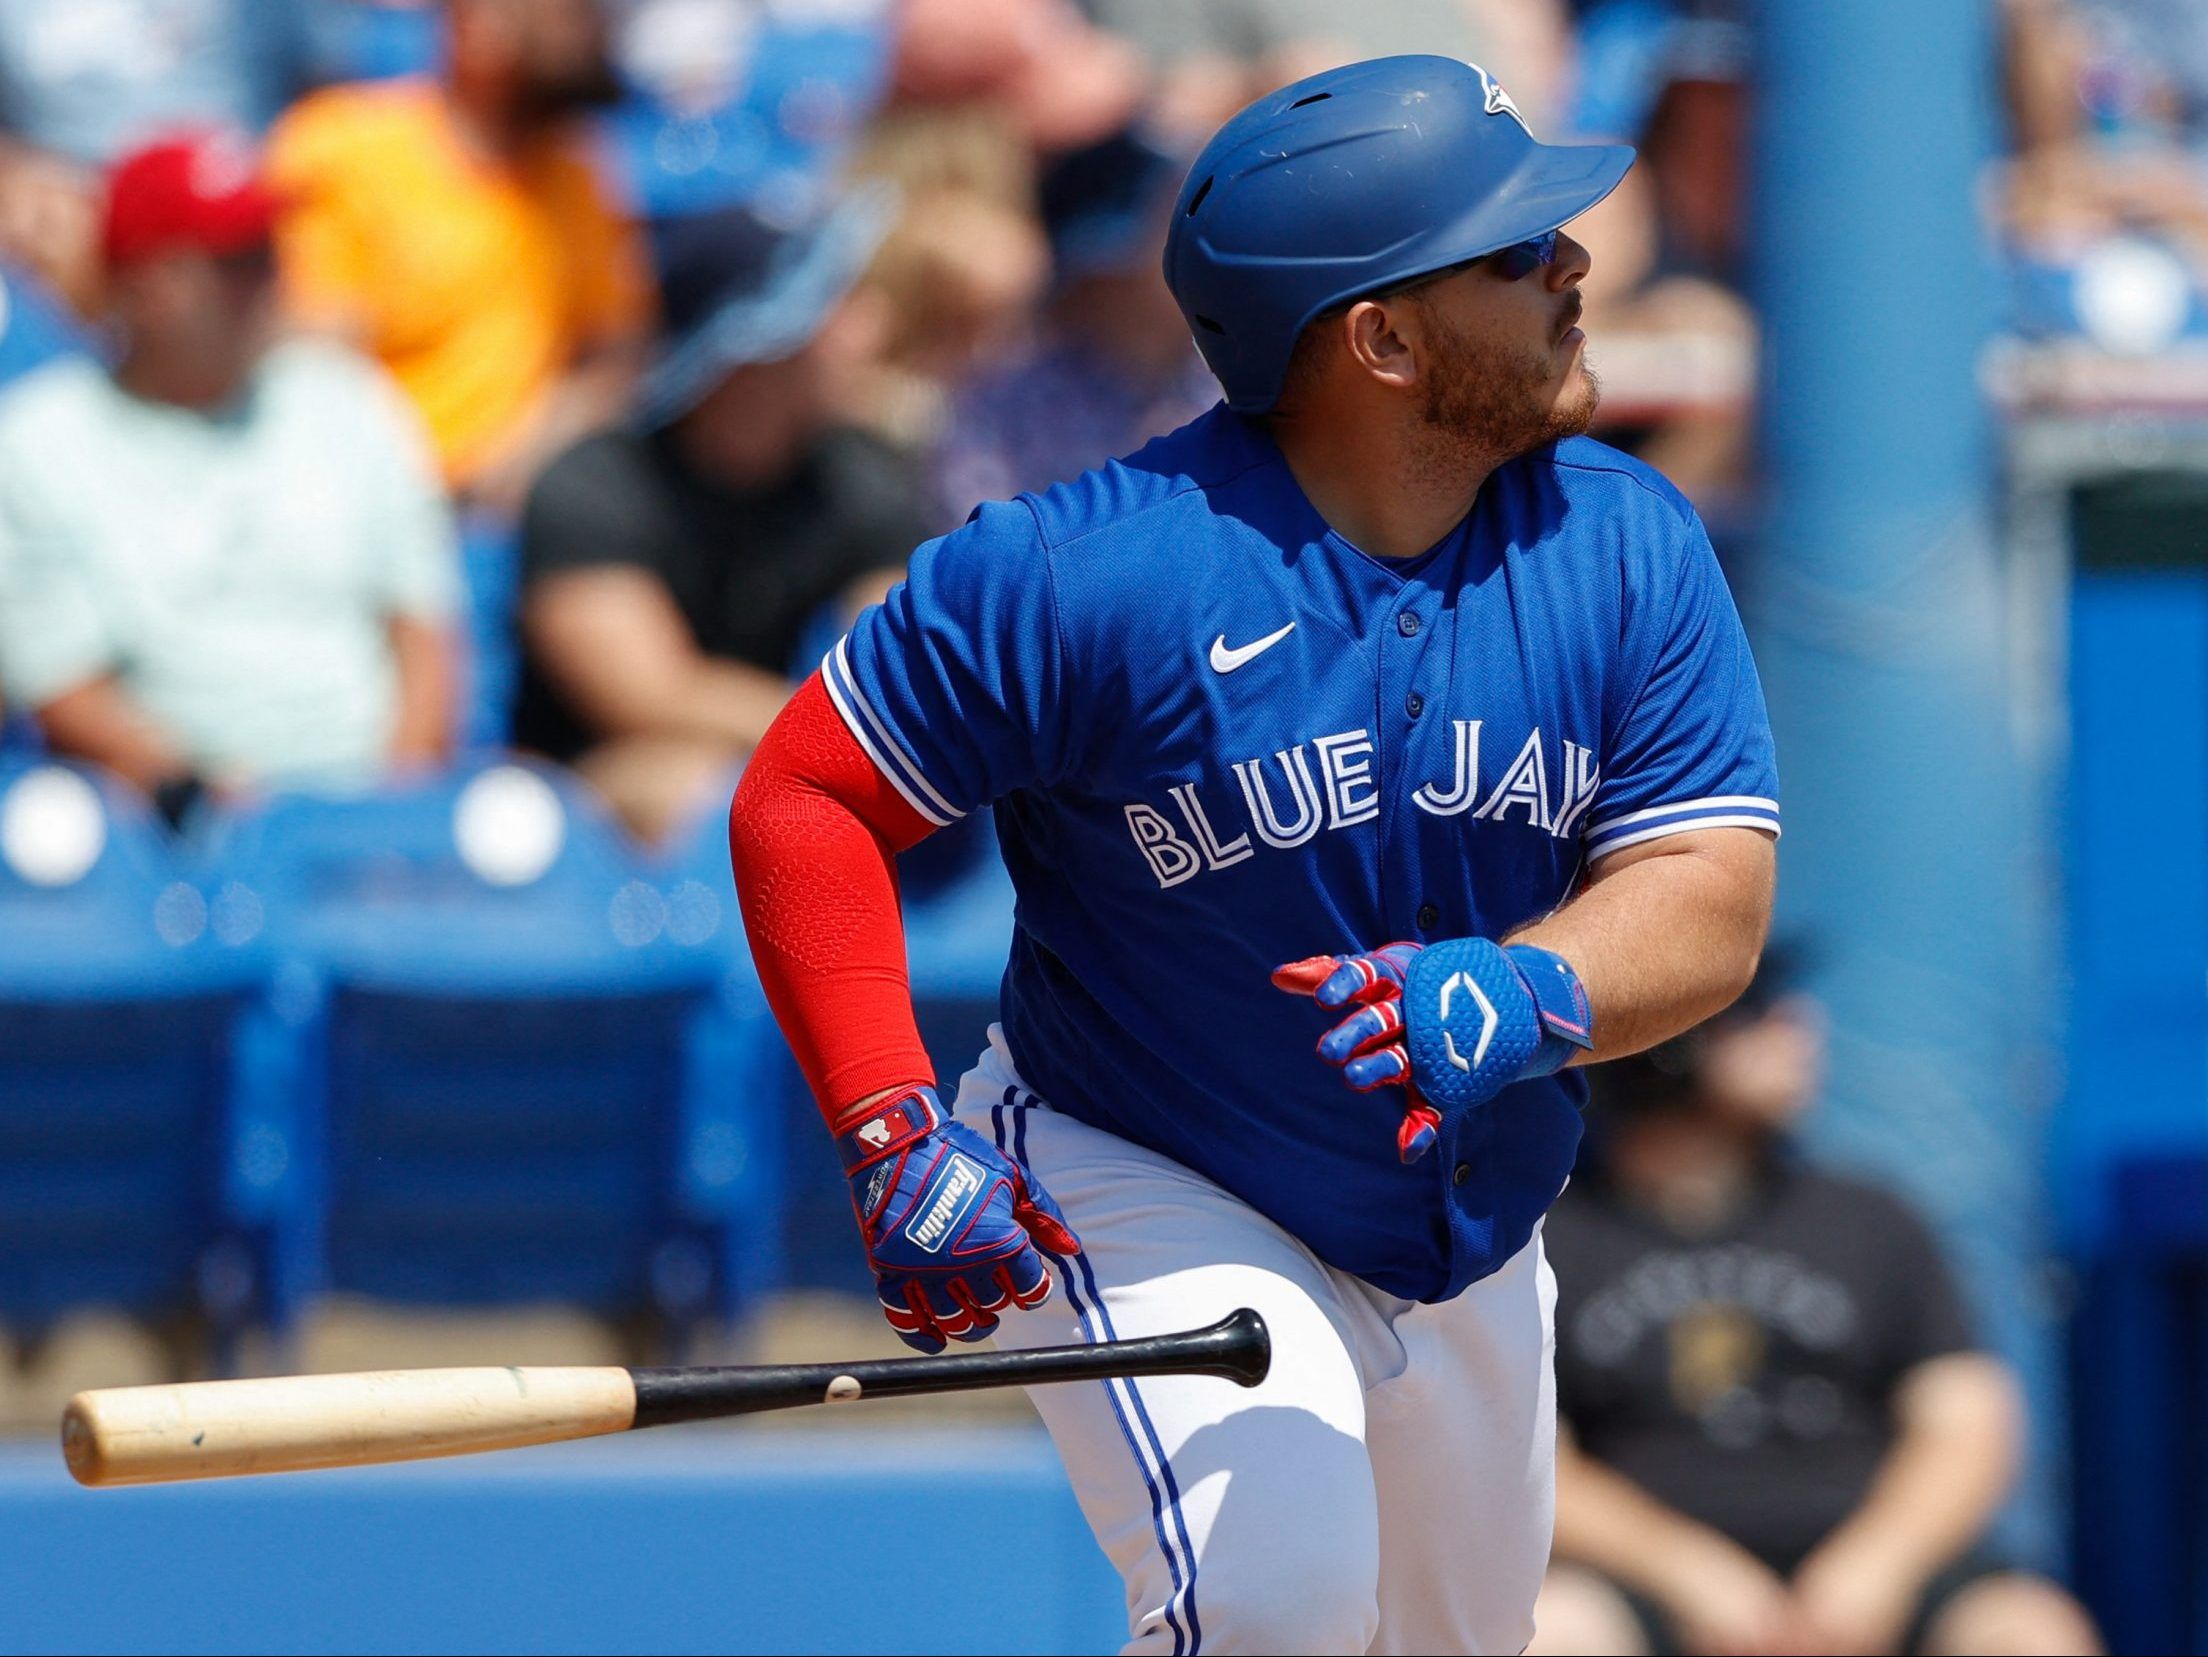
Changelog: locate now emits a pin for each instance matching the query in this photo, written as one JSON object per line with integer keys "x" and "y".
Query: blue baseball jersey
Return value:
{"x": 1217, "y": 737}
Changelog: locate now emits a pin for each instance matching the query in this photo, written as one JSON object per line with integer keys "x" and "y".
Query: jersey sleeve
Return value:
{"x": 956, "y": 683}
{"x": 1692, "y": 748}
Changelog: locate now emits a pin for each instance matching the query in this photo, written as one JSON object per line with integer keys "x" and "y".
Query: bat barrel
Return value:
{"x": 206, "y": 1429}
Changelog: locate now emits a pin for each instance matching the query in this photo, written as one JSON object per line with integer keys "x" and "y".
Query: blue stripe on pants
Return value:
{"x": 1184, "y": 1586}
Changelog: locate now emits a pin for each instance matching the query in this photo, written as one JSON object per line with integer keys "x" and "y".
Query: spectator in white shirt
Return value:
{"x": 224, "y": 562}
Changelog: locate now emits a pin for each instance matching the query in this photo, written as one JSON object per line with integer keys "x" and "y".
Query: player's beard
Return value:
{"x": 1483, "y": 406}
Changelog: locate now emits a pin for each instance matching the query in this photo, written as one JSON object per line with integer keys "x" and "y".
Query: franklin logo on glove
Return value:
{"x": 955, "y": 1230}
{"x": 961, "y": 1182}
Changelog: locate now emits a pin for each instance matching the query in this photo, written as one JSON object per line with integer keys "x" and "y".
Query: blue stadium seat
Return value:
{"x": 513, "y": 1034}
{"x": 737, "y": 1038}
{"x": 490, "y": 586}
{"x": 20, "y": 737}
{"x": 119, "y": 1006}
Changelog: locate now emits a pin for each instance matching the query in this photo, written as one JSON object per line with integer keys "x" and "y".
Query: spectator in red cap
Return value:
{"x": 85, "y": 82}
{"x": 225, "y": 561}
{"x": 185, "y": 242}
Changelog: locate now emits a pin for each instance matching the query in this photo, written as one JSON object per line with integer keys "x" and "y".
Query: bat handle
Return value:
{"x": 1237, "y": 1348}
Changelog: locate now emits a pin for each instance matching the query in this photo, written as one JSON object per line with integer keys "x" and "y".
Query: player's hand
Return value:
{"x": 1368, "y": 1045}
{"x": 953, "y": 1228}
{"x": 1451, "y": 1023}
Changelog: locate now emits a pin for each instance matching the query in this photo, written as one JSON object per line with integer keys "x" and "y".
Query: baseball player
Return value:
{"x": 1376, "y": 708}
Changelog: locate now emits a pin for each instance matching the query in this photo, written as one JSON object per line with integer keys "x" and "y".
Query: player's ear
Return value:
{"x": 1381, "y": 337}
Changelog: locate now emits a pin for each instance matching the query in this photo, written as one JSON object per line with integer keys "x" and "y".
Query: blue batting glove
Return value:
{"x": 952, "y": 1227}
{"x": 1452, "y": 1023}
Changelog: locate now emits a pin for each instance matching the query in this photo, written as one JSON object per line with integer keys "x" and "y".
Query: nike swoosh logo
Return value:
{"x": 1224, "y": 660}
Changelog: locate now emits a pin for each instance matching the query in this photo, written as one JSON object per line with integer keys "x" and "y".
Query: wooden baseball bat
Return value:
{"x": 211, "y": 1429}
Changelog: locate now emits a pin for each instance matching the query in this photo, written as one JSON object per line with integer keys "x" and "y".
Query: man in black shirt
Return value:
{"x": 1780, "y": 1434}
{"x": 672, "y": 568}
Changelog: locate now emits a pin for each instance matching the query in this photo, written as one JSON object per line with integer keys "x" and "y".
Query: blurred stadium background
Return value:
{"x": 461, "y": 1060}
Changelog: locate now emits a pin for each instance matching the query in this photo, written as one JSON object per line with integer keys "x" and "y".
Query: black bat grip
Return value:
{"x": 1237, "y": 1348}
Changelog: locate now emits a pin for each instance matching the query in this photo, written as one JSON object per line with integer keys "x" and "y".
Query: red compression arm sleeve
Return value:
{"x": 811, "y": 834}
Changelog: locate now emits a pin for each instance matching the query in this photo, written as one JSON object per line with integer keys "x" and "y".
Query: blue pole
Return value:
{"x": 1878, "y": 612}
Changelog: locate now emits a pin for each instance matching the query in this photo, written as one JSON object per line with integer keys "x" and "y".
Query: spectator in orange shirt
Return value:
{"x": 456, "y": 230}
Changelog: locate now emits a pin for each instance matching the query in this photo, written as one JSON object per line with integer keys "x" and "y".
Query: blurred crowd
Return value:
{"x": 391, "y": 377}
{"x": 399, "y": 375}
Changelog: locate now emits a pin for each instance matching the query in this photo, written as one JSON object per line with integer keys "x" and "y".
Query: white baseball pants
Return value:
{"x": 1391, "y": 1485}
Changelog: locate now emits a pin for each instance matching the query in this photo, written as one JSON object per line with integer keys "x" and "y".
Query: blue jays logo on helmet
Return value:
{"x": 1354, "y": 180}
{"x": 1500, "y": 102}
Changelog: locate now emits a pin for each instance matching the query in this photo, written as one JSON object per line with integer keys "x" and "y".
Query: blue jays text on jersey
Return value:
{"x": 1218, "y": 736}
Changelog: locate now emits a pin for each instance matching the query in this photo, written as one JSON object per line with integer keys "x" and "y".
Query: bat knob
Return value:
{"x": 1245, "y": 1351}
{"x": 78, "y": 1448}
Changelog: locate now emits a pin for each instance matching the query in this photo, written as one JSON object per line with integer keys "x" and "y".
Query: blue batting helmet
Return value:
{"x": 1351, "y": 181}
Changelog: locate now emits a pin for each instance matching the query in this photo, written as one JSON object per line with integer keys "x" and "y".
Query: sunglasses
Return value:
{"x": 1522, "y": 259}
{"x": 1512, "y": 263}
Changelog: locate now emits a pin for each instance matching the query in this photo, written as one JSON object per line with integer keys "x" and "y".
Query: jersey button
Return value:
{"x": 1463, "y": 1173}
{"x": 1414, "y": 704}
{"x": 1406, "y": 624}
{"x": 1428, "y": 917}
